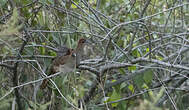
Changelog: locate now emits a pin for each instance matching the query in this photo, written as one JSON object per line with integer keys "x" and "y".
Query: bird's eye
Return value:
{"x": 83, "y": 41}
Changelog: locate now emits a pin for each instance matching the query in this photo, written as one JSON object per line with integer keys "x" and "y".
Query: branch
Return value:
{"x": 130, "y": 76}
{"x": 6, "y": 65}
{"x": 15, "y": 73}
{"x": 175, "y": 85}
{"x": 160, "y": 63}
{"x": 129, "y": 97}
{"x": 115, "y": 65}
{"x": 93, "y": 70}
{"x": 100, "y": 74}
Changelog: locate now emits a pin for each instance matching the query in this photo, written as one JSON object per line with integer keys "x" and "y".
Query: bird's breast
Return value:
{"x": 66, "y": 68}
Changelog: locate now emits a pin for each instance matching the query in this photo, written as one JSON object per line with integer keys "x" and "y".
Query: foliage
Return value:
{"x": 137, "y": 59}
{"x": 12, "y": 26}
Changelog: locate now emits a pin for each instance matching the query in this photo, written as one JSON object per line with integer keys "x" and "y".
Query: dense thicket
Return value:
{"x": 137, "y": 59}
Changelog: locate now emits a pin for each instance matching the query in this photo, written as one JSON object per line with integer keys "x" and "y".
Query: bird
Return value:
{"x": 80, "y": 49}
{"x": 62, "y": 50}
{"x": 67, "y": 60}
{"x": 64, "y": 64}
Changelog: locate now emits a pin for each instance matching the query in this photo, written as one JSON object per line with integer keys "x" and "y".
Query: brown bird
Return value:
{"x": 80, "y": 50}
{"x": 67, "y": 61}
{"x": 64, "y": 64}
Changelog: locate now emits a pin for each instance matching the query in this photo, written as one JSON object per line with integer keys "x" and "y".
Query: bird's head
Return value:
{"x": 82, "y": 43}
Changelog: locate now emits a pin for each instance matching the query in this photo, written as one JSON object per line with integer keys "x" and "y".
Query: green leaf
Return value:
{"x": 73, "y": 6}
{"x": 148, "y": 76}
{"x": 44, "y": 106}
{"x": 136, "y": 53}
{"x": 5, "y": 103}
{"x": 159, "y": 57}
{"x": 147, "y": 50}
{"x": 125, "y": 43}
{"x": 132, "y": 68}
{"x": 122, "y": 71}
{"x": 50, "y": 1}
{"x": 43, "y": 18}
{"x": 12, "y": 26}
{"x": 123, "y": 85}
{"x": 114, "y": 80}
{"x": 29, "y": 51}
{"x": 52, "y": 53}
{"x": 43, "y": 1}
{"x": 115, "y": 96}
{"x": 33, "y": 43}
{"x": 25, "y": 2}
{"x": 3, "y": 2}
{"x": 55, "y": 38}
{"x": 47, "y": 62}
{"x": 120, "y": 42}
{"x": 81, "y": 90}
{"x": 131, "y": 88}
{"x": 42, "y": 49}
{"x": 145, "y": 86}
{"x": 138, "y": 80}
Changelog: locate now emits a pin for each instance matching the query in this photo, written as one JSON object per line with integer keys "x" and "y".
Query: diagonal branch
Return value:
{"x": 6, "y": 65}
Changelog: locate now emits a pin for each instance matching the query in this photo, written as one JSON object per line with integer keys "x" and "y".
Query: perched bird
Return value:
{"x": 67, "y": 59}
{"x": 80, "y": 50}
{"x": 64, "y": 64}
